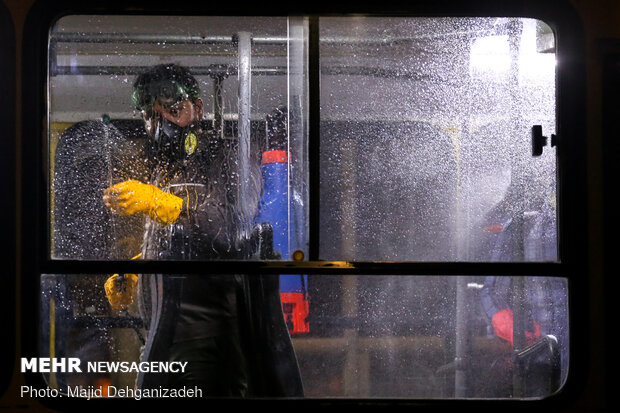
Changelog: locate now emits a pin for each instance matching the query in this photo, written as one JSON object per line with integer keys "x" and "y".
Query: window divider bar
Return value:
{"x": 314, "y": 135}
{"x": 307, "y": 267}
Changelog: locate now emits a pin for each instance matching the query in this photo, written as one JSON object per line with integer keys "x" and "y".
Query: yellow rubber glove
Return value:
{"x": 134, "y": 197}
{"x": 120, "y": 290}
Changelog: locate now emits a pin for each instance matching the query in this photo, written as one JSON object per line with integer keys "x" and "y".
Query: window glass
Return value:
{"x": 211, "y": 181}
{"x": 426, "y": 154}
{"x": 426, "y": 148}
{"x": 368, "y": 336}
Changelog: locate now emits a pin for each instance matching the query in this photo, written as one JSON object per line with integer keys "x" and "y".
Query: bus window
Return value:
{"x": 430, "y": 149}
{"x": 250, "y": 83}
{"x": 370, "y": 336}
{"x": 426, "y": 140}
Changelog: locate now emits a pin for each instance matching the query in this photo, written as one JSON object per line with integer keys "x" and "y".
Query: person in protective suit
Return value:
{"x": 513, "y": 235}
{"x": 229, "y": 328}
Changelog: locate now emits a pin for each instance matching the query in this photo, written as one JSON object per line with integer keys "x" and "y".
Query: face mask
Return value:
{"x": 172, "y": 131}
{"x": 165, "y": 132}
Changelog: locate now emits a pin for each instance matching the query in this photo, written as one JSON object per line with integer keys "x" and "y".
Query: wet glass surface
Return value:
{"x": 425, "y": 155}
{"x": 426, "y": 140}
{"x": 251, "y": 82}
{"x": 368, "y": 336}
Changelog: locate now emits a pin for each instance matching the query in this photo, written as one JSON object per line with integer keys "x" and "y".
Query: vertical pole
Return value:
{"x": 461, "y": 350}
{"x": 218, "y": 106}
{"x": 354, "y": 378}
{"x": 515, "y": 30}
{"x": 244, "y": 48}
{"x": 519, "y": 134}
{"x": 463, "y": 199}
{"x": 297, "y": 116}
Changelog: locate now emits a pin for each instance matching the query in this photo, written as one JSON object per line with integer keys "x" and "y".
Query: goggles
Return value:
{"x": 168, "y": 92}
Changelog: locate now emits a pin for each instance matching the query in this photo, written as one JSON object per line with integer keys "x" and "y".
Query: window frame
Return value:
{"x": 571, "y": 164}
{"x": 7, "y": 171}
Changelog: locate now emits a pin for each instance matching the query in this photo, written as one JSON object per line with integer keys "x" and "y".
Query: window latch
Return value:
{"x": 539, "y": 141}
